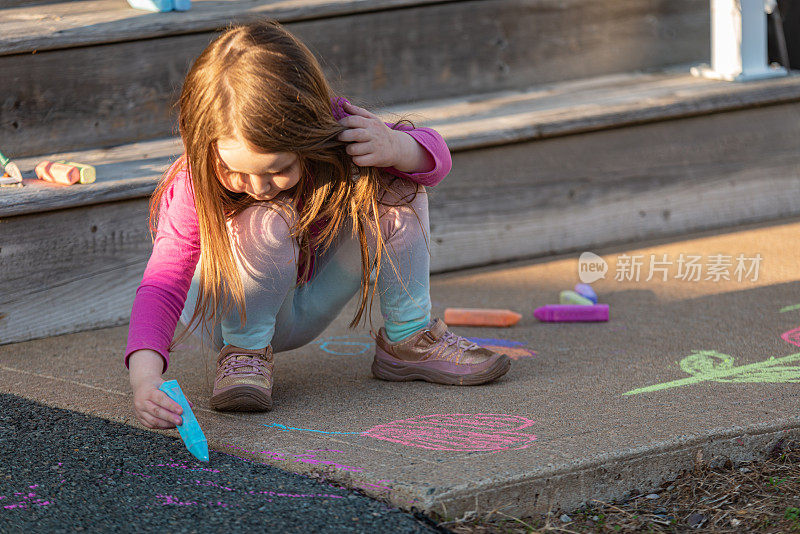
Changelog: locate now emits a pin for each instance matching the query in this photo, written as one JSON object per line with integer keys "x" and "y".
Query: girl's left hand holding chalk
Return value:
{"x": 374, "y": 144}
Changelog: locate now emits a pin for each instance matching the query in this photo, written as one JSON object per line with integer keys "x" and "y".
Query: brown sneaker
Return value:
{"x": 244, "y": 380}
{"x": 437, "y": 355}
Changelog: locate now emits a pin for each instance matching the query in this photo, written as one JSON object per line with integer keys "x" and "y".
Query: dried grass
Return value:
{"x": 755, "y": 497}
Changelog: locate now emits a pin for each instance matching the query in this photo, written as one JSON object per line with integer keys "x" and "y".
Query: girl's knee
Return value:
{"x": 261, "y": 234}
{"x": 403, "y": 207}
{"x": 270, "y": 224}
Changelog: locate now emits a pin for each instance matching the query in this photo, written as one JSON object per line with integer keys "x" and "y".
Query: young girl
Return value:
{"x": 286, "y": 200}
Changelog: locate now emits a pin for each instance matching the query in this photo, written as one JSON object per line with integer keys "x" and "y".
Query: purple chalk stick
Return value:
{"x": 569, "y": 313}
{"x": 586, "y": 290}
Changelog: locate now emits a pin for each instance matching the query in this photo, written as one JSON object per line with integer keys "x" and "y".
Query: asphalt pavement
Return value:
{"x": 64, "y": 471}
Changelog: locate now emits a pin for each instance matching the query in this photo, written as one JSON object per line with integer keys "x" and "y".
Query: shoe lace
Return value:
{"x": 233, "y": 366}
{"x": 460, "y": 342}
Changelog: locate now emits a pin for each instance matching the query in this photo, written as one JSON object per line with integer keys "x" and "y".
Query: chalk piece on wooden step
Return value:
{"x": 58, "y": 173}
{"x": 87, "y": 172}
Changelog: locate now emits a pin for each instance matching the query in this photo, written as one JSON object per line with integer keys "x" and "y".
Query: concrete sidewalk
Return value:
{"x": 685, "y": 371}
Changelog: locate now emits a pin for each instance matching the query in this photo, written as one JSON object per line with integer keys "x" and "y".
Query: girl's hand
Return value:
{"x": 372, "y": 142}
{"x": 153, "y": 407}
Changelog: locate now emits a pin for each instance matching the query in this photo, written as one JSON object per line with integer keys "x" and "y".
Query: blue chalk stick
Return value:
{"x": 159, "y": 6}
{"x": 189, "y": 429}
{"x": 586, "y": 290}
{"x": 183, "y": 5}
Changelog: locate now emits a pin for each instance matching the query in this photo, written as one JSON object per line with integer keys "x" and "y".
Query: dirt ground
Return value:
{"x": 754, "y": 497}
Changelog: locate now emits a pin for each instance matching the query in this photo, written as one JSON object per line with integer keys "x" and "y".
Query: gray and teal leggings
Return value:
{"x": 288, "y": 317}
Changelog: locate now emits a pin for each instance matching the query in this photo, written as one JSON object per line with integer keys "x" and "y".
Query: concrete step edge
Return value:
{"x": 467, "y": 123}
{"x": 612, "y": 476}
{"x": 92, "y": 22}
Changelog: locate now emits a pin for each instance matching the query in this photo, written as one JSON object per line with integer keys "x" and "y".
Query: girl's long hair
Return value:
{"x": 259, "y": 83}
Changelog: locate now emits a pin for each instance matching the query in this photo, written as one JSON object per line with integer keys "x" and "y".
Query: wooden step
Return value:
{"x": 4, "y": 4}
{"x": 92, "y": 73}
{"x": 562, "y": 167}
{"x": 75, "y": 23}
{"x": 467, "y": 123}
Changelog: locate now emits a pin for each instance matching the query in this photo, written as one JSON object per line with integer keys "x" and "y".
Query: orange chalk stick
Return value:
{"x": 59, "y": 173}
{"x": 480, "y": 317}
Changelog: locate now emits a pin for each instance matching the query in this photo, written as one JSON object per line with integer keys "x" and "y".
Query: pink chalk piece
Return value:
{"x": 458, "y": 432}
{"x": 792, "y": 336}
{"x": 569, "y": 313}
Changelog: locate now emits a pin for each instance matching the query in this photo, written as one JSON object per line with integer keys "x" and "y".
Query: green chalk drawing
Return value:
{"x": 790, "y": 308}
{"x": 712, "y": 366}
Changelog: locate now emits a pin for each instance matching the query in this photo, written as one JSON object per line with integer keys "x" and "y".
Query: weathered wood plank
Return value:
{"x": 28, "y": 26}
{"x": 123, "y": 172}
{"x": 571, "y": 107}
{"x": 117, "y": 93}
{"x": 5, "y": 4}
{"x": 467, "y": 123}
{"x": 587, "y": 190}
{"x": 71, "y": 270}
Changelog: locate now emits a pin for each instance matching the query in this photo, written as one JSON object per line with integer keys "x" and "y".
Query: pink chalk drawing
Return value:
{"x": 184, "y": 466}
{"x": 380, "y": 486}
{"x": 297, "y": 495}
{"x": 171, "y": 500}
{"x": 308, "y": 457}
{"x": 212, "y": 484}
{"x": 792, "y": 336}
{"x": 29, "y": 498}
{"x": 478, "y": 432}
{"x": 458, "y": 432}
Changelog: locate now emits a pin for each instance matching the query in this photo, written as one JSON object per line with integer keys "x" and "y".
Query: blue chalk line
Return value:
{"x": 284, "y": 427}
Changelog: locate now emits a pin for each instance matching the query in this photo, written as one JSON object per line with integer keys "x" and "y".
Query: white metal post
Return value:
{"x": 739, "y": 42}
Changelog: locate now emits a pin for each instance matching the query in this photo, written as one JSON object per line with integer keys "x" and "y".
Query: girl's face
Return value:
{"x": 260, "y": 175}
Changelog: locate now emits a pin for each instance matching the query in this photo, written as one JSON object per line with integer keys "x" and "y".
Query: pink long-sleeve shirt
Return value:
{"x": 161, "y": 295}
